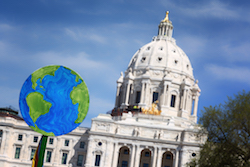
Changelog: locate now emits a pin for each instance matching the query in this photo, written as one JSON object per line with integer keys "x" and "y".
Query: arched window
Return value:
{"x": 145, "y": 160}
{"x": 123, "y": 160}
{"x": 167, "y": 159}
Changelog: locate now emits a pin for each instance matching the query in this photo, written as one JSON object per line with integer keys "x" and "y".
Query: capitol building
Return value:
{"x": 153, "y": 123}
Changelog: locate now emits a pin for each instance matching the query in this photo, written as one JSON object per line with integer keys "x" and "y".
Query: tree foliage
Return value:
{"x": 228, "y": 130}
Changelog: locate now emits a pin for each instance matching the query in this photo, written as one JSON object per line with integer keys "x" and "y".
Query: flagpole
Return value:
{"x": 42, "y": 151}
{"x": 39, "y": 155}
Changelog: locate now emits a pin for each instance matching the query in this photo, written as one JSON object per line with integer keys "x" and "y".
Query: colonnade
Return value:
{"x": 186, "y": 97}
{"x": 112, "y": 153}
{"x": 135, "y": 153}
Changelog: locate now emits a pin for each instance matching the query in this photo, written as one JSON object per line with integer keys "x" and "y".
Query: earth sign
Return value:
{"x": 54, "y": 100}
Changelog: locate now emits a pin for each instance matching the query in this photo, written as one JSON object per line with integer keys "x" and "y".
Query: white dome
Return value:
{"x": 162, "y": 54}
{"x": 160, "y": 73}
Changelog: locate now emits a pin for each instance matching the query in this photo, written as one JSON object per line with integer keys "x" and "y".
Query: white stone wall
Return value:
{"x": 139, "y": 132}
{"x": 12, "y": 128}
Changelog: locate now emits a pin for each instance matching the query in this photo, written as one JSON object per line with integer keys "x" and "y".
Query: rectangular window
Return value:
{"x": 48, "y": 156}
{"x": 125, "y": 151}
{"x": 145, "y": 165}
{"x": 147, "y": 154}
{"x": 155, "y": 96}
{"x": 79, "y": 160}
{"x": 20, "y": 137}
{"x": 168, "y": 156}
{"x": 51, "y": 140}
{"x": 138, "y": 97}
{"x": 64, "y": 158}
{"x": 173, "y": 97}
{"x": 124, "y": 163}
{"x": 66, "y": 143}
{"x": 35, "y": 139}
{"x": 32, "y": 153}
{"x": 97, "y": 160}
{"x": 82, "y": 144}
{"x": 17, "y": 153}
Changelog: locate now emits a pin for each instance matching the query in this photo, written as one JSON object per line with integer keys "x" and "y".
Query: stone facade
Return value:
{"x": 19, "y": 142}
{"x": 160, "y": 136}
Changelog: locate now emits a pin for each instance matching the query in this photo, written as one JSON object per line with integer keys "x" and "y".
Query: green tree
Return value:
{"x": 228, "y": 130}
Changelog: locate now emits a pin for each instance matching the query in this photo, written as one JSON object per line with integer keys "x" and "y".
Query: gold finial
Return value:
{"x": 166, "y": 17}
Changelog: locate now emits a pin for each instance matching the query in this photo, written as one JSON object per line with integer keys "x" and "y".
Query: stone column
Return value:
{"x": 57, "y": 151}
{"x": 25, "y": 150}
{"x": 196, "y": 104}
{"x": 164, "y": 94}
{"x": 89, "y": 156}
{"x": 117, "y": 94}
{"x": 127, "y": 93}
{"x": 8, "y": 135}
{"x": 177, "y": 100}
{"x": 124, "y": 94}
{"x": 154, "y": 157}
{"x": 109, "y": 154}
{"x": 132, "y": 156}
{"x": 115, "y": 155}
{"x": 189, "y": 102}
{"x": 183, "y": 99}
{"x": 159, "y": 157}
{"x": 137, "y": 156}
{"x": 72, "y": 151}
{"x": 176, "y": 162}
{"x": 186, "y": 100}
{"x": 146, "y": 92}
{"x": 159, "y": 33}
{"x": 142, "y": 93}
{"x": 3, "y": 142}
{"x": 169, "y": 98}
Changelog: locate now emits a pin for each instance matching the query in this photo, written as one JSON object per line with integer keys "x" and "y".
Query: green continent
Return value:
{"x": 42, "y": 131}
{"x": 77, "y": 76}
{"x": 74, "y": 73}
{"x": 80, "y": 95}
{"x": 40, "y": 73}
{"x": 37, "y": 105}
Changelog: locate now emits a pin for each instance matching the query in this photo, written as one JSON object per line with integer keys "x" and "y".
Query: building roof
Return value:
{"x": 9, "y": 112}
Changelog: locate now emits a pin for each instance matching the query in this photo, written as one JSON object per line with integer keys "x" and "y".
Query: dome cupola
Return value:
{"x": 160, "y": 72}
{"x": 165, "y": 27}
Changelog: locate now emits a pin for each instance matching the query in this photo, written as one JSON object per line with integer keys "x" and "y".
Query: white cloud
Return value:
{"x": 87, "y": 66}
{"x": 78, "y": 61}
{"x": 212, "y": 9}
{"x": 239, "y": 53}
{"x": 6, "y": 27}
{"x": 238, "y": 74}
{"x": 84, "y": 34}
{"x": 71, "y": 33}
{"x": 215, "y": 9}
{"x": 192, "y": 44}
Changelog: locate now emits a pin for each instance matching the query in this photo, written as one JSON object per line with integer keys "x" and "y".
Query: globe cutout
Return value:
{"x": 54, "y": 100}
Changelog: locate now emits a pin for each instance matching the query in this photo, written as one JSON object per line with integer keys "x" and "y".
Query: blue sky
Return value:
{"x": 98, "y": 38}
